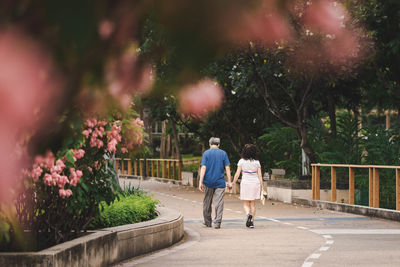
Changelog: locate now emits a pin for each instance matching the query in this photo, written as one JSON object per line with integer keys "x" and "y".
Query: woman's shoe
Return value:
{"x": 251, "y": 224}
{"x": 248, "y": 222}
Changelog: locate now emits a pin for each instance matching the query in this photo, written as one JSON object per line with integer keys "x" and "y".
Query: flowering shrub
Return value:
{"x": 63, "y": 192}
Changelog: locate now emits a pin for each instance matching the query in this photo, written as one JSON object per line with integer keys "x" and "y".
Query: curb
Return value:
{"x": 106, "y": 246}
{"x": 355, "y": 209}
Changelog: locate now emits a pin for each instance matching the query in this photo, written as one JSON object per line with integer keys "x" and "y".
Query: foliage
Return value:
{"x": 280, "y": 149}
{"x": 127, "y": 209}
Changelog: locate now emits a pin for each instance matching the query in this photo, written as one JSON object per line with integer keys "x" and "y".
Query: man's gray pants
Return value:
{"x": 213, "y": 196}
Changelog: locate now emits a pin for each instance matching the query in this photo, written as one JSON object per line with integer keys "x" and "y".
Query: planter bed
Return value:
{"x": 106, "y": 246}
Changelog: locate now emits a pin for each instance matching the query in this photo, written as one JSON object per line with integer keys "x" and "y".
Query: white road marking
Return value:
{"x": 323, "y": 248}
{"x": 330, "y": 242}
{"x": 315, "y": 256}
{"x": 288, "y": 223}
{"x": 302, "y": 228}
{"x": 356, "y": 232}
{"x": 307, "y": 264}
{"x": 325, "y": 236}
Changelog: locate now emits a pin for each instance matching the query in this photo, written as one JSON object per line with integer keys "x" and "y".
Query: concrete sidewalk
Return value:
{"x": 284, "y": 235}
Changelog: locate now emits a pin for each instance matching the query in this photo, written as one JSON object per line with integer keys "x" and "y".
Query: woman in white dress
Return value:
{"x": 251, "y": 185}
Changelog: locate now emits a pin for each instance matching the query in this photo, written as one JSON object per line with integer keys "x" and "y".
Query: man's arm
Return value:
{"x": 228, "y": 173}
{"x": 202, "y": 173}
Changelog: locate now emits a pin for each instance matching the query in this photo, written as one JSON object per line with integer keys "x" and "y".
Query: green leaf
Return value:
{"x": 85, "y": 187}
{"x": 70, "y": 156}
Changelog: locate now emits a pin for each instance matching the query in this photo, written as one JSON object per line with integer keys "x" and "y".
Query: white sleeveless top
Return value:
{"x": 249, "y": 170}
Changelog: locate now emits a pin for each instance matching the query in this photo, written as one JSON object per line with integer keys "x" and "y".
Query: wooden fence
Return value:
{"x": 373, "y": 182}
{"x": 162, "y": 168}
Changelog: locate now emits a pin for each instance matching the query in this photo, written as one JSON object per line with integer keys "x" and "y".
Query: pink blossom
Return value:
{"x": 78, "y": 153}
{"x": 100, "y": 143}
{"x": 68, "y": 192}
{"x": 36, "y": 172}
{"x": 124, "y": 150}
{"x": 62, "y": 181}
{"x": 111, "y": 146}
{"x": 60, "y": 164}
{"x": 79, "y": 173}
{"x": 62, "y": 193}
{"x": 201, "y": 98}
{"x": 48, "y": 179}
{"x": 86, "y": 133}
{"x": 91, "y": 122}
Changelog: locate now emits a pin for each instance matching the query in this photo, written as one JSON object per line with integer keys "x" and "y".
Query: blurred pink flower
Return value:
{"x": 200, "y": 98}
{"x": 124, "y": 150}
{"x": 326, "y": 16}
{"x": 259, "y": 27}
{"x": 106, "y": 28}
{"x": 29, "y": 87}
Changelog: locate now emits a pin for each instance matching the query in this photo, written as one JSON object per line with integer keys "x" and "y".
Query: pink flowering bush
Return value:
{"x": 63, "y": 192}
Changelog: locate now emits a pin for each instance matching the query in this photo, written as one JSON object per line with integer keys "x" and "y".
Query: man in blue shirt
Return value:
{"x": 212, "y": 181}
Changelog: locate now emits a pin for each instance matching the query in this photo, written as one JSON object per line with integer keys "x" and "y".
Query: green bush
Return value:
{"x": 126, "y": 210}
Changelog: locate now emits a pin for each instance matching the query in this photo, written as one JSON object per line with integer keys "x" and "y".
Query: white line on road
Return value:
{"x": 307, "y": 264}
{"x": 323, "y": 248}
{"x": 288, "y": 223}
{"x": 325, "y": 236}
{"x": 302, "y": 228}
{"x": 315, "y": 256}
{"x": 357, "y": 231}
{"x": 329, "y": 242}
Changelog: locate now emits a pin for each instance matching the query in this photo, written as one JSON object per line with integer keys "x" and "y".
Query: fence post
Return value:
{"x": 152, "y": 168}
{"x": 164, "y": 170}
{"x": 313, "y": 181}
{"x": 174, "y": 171}
{"x": 397, "y": 189}
{"x": 180, "y": 170}
{"x": 135, "y": 167}
{"x": 122, "y": 166}
{"x": 141, "y": 167}
{"x": 351, "y": 186}
{"x": 371, "y": 187}
{"x": 158, "y": 169}
{"x": 146, "y": 166}
{"x": 376, "y": 188}
{"x": 129, "y": 167}
{"x": 333, "y": 184}
{"x": 169, "y": 169}
{"x": 317, "y": 182}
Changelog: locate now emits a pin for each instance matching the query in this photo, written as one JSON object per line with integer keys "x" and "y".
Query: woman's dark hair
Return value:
{"x": 249, "y": 152}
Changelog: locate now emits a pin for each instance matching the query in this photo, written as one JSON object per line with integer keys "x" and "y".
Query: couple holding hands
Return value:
{"x": 212, "y": 181}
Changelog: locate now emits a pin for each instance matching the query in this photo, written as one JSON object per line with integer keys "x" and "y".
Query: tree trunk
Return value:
{"x": 332, "y": 113}
{"x": 163, "y": 140}
{"x": 176, "y": 143}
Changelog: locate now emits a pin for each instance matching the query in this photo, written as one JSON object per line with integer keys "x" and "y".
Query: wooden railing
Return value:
{"x": 161, "y": 168}
{"x": 373, "y": 182}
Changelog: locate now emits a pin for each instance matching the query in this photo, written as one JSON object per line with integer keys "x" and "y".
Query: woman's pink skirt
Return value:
{"x": 250, "y": 191}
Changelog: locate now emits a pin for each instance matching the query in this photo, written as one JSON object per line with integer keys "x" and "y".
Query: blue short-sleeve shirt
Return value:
{"x": 215, "y": 160}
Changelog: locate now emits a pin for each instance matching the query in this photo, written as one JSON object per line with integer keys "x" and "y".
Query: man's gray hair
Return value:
{"x": 214, "y": 141}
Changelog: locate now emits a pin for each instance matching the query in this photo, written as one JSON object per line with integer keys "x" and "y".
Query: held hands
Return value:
{"x": 229, "y": 185}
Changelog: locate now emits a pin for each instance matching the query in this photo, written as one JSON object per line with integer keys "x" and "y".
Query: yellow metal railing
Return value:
{"x": 161, "y": 168}
{"x": 373, "y": 182}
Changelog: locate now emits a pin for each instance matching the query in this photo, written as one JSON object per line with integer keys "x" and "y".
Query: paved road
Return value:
{"x": 284, "y": 235}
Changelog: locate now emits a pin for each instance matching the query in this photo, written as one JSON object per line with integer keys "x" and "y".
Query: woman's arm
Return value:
{"x": 260, "y": 178}
{"x": 237, "y": 174}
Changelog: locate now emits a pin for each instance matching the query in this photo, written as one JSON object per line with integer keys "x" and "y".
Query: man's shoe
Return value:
{"x": 206, "y": 224}
{"x": 248, "y": 222}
